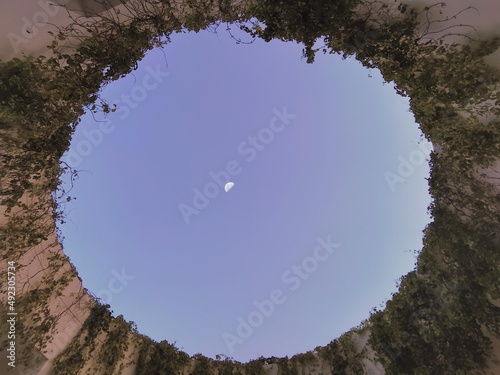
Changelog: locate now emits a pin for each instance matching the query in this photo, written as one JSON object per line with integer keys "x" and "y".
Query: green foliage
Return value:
{"x": 304, "y": 358}
{"x": 76, "y": 355}
{"x": 202, "y": 365}
{"x": 160, "y": 358}
{"x": 115, "y": 345}
{"x": 255, "y": 367}
{"x": 300, "y": 21}
{"x": 226, "y": 367}
{"x": 286, "y": 367}
{"x": 343, "y": 356}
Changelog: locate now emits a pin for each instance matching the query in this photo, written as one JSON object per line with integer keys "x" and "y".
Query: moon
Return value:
{"x": 228, "y": 186}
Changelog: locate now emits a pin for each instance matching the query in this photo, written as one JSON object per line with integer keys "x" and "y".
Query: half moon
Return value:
{"x": 228, "y": 186}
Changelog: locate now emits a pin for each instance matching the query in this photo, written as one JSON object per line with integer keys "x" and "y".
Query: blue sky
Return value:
{"x": 330, "y": 196}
